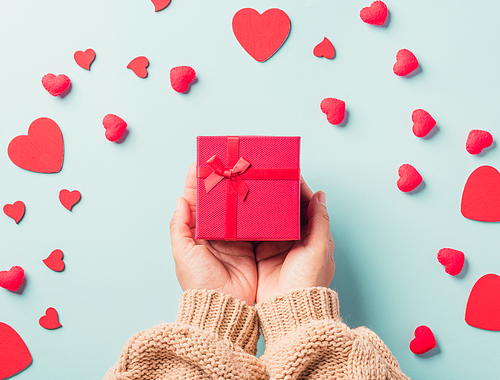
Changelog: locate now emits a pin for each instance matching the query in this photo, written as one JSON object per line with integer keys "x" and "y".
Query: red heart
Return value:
{"x": 424, "y": 340}
{"x": 261, "y": 35}
{"x": 15, "y": 211}
{"x": 56, "y": 85}
{"x": 84, "y": 59}
{"x": 69, "y": 198}
{"x": 452, "y": 259}
{"x": 115, "y": 126}
{"x": 14, "y": 355}
{"x": 481, "y": 196}
{"x": 160, "y": 4}
{"x": 478, "y": 140}
{"x": 406, "y": 62}
{"x": 409, "y": 178}
{"x": 324, "y": 49}
{"x": 375, "y": 14}
{"x": 42, "y": 150}
{"x": 55, "y": 261}
{"x": 12, "y": 279}
{"x": 483, "y": 306}
{"x": 334, "y": 110}
{"x": 422, "y": 122}
{"x": 181, "y": 77}
{"x": 139, "y": 66}
{"x": 50, "y": 320}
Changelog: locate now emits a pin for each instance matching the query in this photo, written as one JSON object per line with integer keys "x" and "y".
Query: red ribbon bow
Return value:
{"x": 233, "y": 175}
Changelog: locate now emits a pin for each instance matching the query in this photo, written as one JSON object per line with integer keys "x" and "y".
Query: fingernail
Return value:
{"x": 178, "y": 204}
{"x": 322, "y": 198}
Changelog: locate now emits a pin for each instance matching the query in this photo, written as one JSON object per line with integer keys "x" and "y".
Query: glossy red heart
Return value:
{"x": 12, "y": 279}
{"x": 452, "y": 260}
{"x": 181, "y": 77}
{"x": 69, "y": 198}
{"x": 375, "y": 14}
{"x": 115, "y": 127}
{"x": 483, "y": 306}
{"x": 139, "y": 66}
{"x": 324, "y": 49}
{"x": 409, "y": 178}
{"x": 50, "y": 320}
{"x": 477, "y": 140}
{"x": 56, "y": 85}
{"x": 160, "y": 4}
{"x": 42, "y": 150}
{"x": 424, "y": 340}
{"x": 261, "y": 35}
{"x": 84, "y": 58}
{"x": 334, "y": 110}
{"x": 422, "y": 122}
{"x": 14, "y": 354}
{"x": 55, "y": 260}
{"x": 15, "y": 211}
{"x": 481, "y": 196}
{"x": 406, "y": 62}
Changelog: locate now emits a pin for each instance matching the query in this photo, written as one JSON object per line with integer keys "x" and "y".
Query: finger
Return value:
{"x": 190, "y": 192}
{"x": 181, "y": 237}
{"x": 305, "y": 198}
{"x": 318, "y": 228}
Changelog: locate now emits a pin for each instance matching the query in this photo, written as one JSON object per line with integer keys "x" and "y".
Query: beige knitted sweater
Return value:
{"x": 215, "y": 337}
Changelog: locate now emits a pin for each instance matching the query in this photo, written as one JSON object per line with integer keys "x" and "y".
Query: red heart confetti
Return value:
{"x": 422, "y": 122}
{"x": 261, "y": 35}
{"x": 481, "y": 196}
{"x": 181, "y": 77}
{"x": 69, "y": 198}
{"x": 334, "y": 110}
{"x": 478, "y": 140}
{"x": 84, "y": 58}
{"x": 139, "y": 66}
{"x": 42, "y": 150}
{"x": 14, "y": 354}
{"x": 452, "y": 259}
{"x": 55, "y": 261}
{"x": 409, "y": 178}
{"x": 424, "y": 340}
{"x": 12, "y": 279}
{"x": 375, "y": 14}
{"x": 160, "y": 4}
{"x": 15, "y": 211}
{"x": 406, "y": 62}
{"x": 115, "y": 126}
{"x": 483, "y": 306}
{"x": 50, "y": 320}
{"x": 56, "y": 85}
{"x": 324, "y": 49}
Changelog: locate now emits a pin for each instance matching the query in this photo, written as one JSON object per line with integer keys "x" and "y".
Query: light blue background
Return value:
{"x": 120, "y": 276}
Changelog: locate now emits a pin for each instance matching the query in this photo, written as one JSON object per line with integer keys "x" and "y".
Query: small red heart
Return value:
{"x": 422, "y": 122}
{"x": 14, "y": 354}
{"x": 409, "y": 178}
{"x": 483, "y": 306}
{"x": 12, "y": 279}
{"x": 84, "y": 59}
{"x": 15, "y": 211}
{"x": 478, "y": 140}
{"x": 69, "y": 198}
{"x": 375, "y": 14}
{"x": 181, "y": 77}
{"x": 115, "y": 126}
{"x": 160, "y": 4}
{"x": 42, "y": 150}
{"x": 56, "y": 85}
{"x": 139, "y": 66}
{"x": 55, "y": 261}
{"x": 481, "y": 196}
{"x": 324, "y": 49}
{"x": 334, "y": 110}
{"x": 452, "y": 259}
{"x": 50, "y": 320}
{"x": 406, "y": 62}
{"x": 261, "y": 35}
{"x": 424, "y": 340}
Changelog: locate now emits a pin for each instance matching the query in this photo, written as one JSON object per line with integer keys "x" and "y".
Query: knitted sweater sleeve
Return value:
{"x": 306, "y": 339}
{"x": 214, "y": 337}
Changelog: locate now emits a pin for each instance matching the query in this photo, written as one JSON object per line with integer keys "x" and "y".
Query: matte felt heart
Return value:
{"x": 56, "y": 85}
{"x": 14, "y": 354}
{"x": 261, "y": 35}
{"x": 422, "y": 122}
{"x": 160, "y": 4}
{"x": 42, "y": 150}
{"x": 15, "y": 211}
{"x": 139, "y": 66}
{"x": 481, "y": 196}
{"x": 50, "y": 320}
{"x": 324, "y": 49}
{"x": 452, "y": 259}
{"x": 55, "y": 260}
{"x": 115, "y": 127}
{"x": 477, "y": 140}
{"x": 375, "y": 14}
{"x": 12, "y": 279}
{"x": 409, "y": 178}
{"x": 69, "y": 198}
{"x": 483, "y": 306}
{"x": 334, "y": 110}
{"x": 181, "y": 77}
{"x": 406, "y": 62}
{"x": 84, "y": 58}
{"x": 424, "y": 340}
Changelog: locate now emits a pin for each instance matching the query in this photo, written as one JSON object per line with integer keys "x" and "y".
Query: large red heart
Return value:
{"x": 481, "y": 196}
{"x": 424, "y": 340}
{"x": 84, "y": 58}
{"x": 261, "y": 35}
{"x": 50, "y": 320}
{"x": 42, "y": 150}
{"x": 15, "y": 211}
{"x": 483, "y": 306}
{"x": 14, "y": 355}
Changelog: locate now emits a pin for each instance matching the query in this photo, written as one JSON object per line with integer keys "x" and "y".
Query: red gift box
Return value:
{"x": 248, "y": 188}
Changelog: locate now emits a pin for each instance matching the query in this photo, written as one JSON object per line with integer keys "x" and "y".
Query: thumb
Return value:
{"x": 181, "y": 237}
{"x": 318, "y": 227}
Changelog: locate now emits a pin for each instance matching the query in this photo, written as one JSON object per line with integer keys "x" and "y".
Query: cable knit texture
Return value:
{"x": 215, "y": 337}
